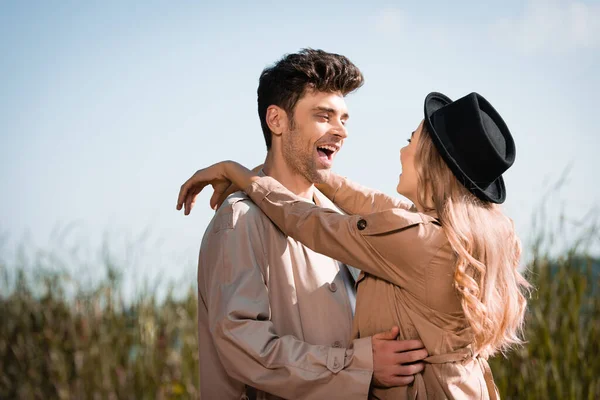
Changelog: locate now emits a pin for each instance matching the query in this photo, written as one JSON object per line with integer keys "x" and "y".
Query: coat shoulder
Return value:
{"x": 237, "y": 210}
{"x": 394, "y": 219}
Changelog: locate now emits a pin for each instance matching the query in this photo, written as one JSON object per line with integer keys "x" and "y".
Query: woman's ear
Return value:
{"x": 276, "y": 120}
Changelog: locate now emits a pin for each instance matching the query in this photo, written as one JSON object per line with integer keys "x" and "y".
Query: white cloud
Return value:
{"x": 389, "y": 21}
{"x": 552, "y": 25}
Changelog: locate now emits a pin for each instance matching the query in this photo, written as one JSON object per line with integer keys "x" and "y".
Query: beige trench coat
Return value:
{"x": 274, "y": 315}
{"x": 407, "y": 280}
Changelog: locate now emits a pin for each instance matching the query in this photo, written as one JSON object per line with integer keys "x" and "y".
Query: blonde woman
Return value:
{"x": 443, "y": 270}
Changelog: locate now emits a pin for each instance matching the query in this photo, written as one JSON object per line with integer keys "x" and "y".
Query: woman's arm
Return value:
{"x": 382, "y": 244}
{"x": 378, "y": 243}
{"x": 354, "y": 198}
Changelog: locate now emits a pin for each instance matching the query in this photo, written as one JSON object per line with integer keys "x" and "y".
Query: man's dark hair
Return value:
{"x": 284, "y": 83}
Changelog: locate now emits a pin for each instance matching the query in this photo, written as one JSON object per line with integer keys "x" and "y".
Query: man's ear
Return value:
{"x": 276, "y": 119}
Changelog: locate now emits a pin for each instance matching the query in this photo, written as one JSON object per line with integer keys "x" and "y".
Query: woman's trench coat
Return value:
{"x": 407, "y": 278}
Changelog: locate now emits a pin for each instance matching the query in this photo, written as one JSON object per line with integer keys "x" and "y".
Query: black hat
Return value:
{"x": 473, "y": 140}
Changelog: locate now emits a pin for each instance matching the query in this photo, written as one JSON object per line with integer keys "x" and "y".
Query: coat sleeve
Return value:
{"x": 385, "y": 244}
{"x": 354, "y": 198}
{"x": 248, "y": 346}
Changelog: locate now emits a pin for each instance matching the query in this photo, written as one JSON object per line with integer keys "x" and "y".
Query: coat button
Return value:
{"x": 361, "y": 224}
{"x": 332, "y": 286}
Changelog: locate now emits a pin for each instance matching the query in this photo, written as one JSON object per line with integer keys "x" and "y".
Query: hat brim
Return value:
{"x": 496, "y": 191}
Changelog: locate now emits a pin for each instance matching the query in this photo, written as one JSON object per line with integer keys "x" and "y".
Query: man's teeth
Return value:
{"x": 330, "y": 148}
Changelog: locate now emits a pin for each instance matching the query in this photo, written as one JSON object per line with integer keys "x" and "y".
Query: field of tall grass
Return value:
{"x": 63, "y": 340}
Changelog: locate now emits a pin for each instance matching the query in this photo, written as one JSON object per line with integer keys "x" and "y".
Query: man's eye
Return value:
{"x": 325, "y": 117}
{"x": 408, "y": 140}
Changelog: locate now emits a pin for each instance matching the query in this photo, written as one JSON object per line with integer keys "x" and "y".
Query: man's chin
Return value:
{"x": 321, "y": 175}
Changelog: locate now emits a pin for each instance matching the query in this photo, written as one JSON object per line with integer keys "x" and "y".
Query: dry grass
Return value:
{"x": 90, "y": 344}
{"x": 562, "y": 331}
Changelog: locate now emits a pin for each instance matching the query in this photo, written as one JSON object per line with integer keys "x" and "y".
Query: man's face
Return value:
{"x": 316, "y": 134}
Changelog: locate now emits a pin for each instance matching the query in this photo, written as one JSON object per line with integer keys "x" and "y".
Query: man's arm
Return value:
{"x": 247, "y": 344}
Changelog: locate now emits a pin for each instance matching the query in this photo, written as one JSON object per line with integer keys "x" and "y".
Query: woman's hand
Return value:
{"x": 215, "y": 175}
{"x": 223, "y": 195}
{"x": 221, "y": 176}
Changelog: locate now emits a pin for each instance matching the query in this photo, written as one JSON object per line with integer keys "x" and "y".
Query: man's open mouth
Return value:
{"x": 327, "y": 151}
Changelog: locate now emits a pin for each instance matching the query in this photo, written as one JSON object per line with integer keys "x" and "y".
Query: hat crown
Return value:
{"x": 473, "y": 140}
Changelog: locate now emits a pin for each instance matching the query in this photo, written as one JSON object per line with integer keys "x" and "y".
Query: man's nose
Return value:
{"x": 341, "y": 130}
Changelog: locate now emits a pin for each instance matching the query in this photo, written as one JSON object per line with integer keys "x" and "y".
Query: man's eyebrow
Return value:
{"x": 412, "y": 134}
{"x": 331, "y": 111}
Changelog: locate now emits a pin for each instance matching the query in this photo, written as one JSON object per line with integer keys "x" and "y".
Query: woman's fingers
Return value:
{"x": 231, "y": 189}
{"x": 188, "y": 204}
{"x": 183, "y": 191}
{"x": 213, "y": 175}
{"x": 214, "y": 199}
{"x": 193, "y": 197}
{"x": 219, "y": 193}
{"x": 181, "y": 196}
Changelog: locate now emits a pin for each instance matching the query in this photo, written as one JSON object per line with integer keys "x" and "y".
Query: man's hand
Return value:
{"x": 395, "y": 362}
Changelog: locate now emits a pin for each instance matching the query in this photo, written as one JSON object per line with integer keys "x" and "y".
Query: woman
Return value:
{"x": 445, "y": 270}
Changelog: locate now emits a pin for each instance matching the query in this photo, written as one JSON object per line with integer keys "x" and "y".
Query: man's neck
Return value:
{"x": 276, "y": 167}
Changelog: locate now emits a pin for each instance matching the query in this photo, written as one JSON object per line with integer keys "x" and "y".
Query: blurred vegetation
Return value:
{"x": 61, "y": 340}
{"x": 562, "y": 329}
{"x": 56, "y": 342}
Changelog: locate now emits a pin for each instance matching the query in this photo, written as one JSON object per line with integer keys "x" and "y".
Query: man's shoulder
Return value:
{"x": 237, "y": 210}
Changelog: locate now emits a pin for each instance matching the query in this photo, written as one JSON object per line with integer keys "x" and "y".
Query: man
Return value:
{"x": 275, "y": 317}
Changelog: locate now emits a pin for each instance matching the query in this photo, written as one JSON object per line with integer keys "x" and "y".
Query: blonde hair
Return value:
{"x": 487, "y": 251}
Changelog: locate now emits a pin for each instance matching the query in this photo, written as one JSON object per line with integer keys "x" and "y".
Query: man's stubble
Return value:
{"x": 300, "y": 159}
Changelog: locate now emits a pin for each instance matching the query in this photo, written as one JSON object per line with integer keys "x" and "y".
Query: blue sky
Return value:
{"x": 107, "y": 107}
